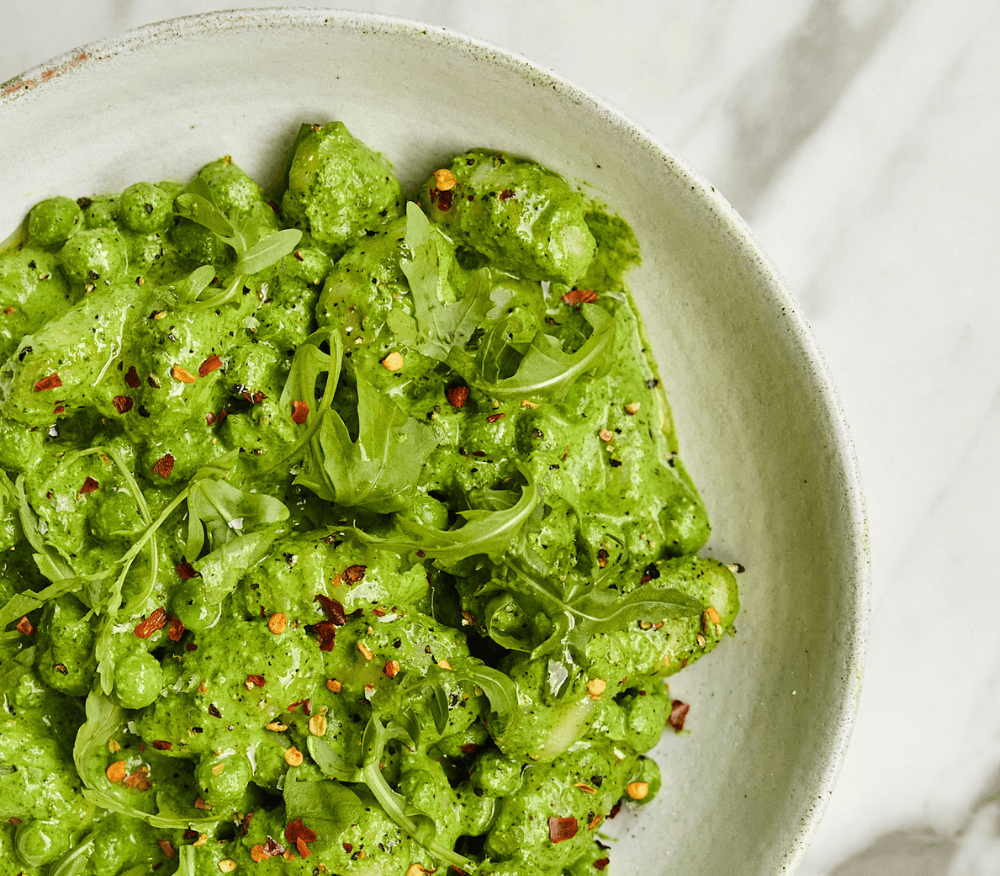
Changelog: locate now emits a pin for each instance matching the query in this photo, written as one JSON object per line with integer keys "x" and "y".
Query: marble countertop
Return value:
{"x": 859, "y": 139}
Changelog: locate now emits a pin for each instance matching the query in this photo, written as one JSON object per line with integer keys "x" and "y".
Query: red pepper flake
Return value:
{"x": 190, "y": 834}
{"x": 255, "y": 681}
{"x": 59, "y": 409}
{"x": 132, "y": 379}
{"x": 457, "y": 395}
{"x": 678, "y": 713}
{"x": 164, "y": 465}
{"x": 327, "y": 633}
{"x": 162, "y": 745}
{"x": 306, "y": 707}
{"x": 506, "y": 195}
{"x": 601, "y": 863}
{"x": 166, "y": 848}
{"x": 300, "y": 411}
{"x": 492, "y": 418}
{"x": 254, "y": 397}
{"x": 122, "y": 403}
{"x": 211, "y": 364}
{"x": 561, "y": 829}
{"x": 213, "y": 710}
{"x": 209, "y": 418}
{"x": 332, "y": 608}
{"x": 50, "y": 382}
{"x": 296, "y": 830}
{"x": 354, "y": 574}
{"x": 176, "y": 629}
{"x": 186, "y": 570}
{"x": 576, "y": 297}
{"x": 25, "y": 627}
{"x": 272, "y": 848}
{"x": 244, "y": 825}
{"x": 200, "y": 803}
{"x": 348, "y": 847}
{"x": 156, "y": 621}
{"x": 469, "y": 748}
{"x": 615, "y": 809}
{"x": 190, "y": 646}
{"x": 8, "y": 311}
{"x": 442, "y": 199}
{"x": 89, "y": 485}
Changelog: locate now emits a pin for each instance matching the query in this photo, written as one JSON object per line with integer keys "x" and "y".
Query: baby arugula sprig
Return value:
{"x": 255, "y": 245}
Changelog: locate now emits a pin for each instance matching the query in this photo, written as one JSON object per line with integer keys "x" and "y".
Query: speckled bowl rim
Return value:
{"x": 43, "y": 76}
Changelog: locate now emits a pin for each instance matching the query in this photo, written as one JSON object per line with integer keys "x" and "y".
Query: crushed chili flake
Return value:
{"x": 678, "y": 714}
{"x": 211, "y": 364}
{"x": 255, "y": 681}
{"x": 25, "y": 627}
{"x": 122, "y": 403}
{"x": 156, "y": 621}
{"x": 50, "y": 382}
{"x": 296, "y": 829}
{"x": 601, "y": 863}
{"x": 254, "y": 397}
{"x": 186, "y": 570}
{"x": 61, "y": 669}
{"x": 139, "y": 780}
{"x": 442, "y": 199}
{"x": 354, "y": 574}
{"x": 89, "y": 485}
{"x": 200, "y": 803}
{"x": 327, "y": 633}
{"x": 58, "y": 409}
{"x": 190, "y": 834}
{"x": 561, "y": 829}
{"x": 300, "y": 844}
{"x": 245, "y": 824}
{"x": 457, "y": 395}
{"x": 209, "y": 418}
{"x": 615, "y": 809}
{"x": 183, "y": 376}
{"x": 506, "y": 195}
{"x": 132, "y": 379}
{"x": 213, "y": 710}
{"x": 300, "y": 412}
{"x": 492, "y": 418}
{"x": 272, "y": 848}
{"x": 162, "y": 745}
{"x": 332, "y": 608}
{"x": 576, "y": 297}
{"x": 176, "y": 629}
{"x": 164, "y": 465}
{"x": 469, "y": 748}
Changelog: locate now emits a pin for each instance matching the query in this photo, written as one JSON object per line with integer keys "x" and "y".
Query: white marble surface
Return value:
{"x": 860, "y": 139}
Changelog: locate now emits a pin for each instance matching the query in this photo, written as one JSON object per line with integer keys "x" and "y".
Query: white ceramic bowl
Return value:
{"x": 760, "y": 428}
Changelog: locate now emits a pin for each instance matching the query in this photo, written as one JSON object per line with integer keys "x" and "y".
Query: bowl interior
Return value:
{"x": 759, "y": 427}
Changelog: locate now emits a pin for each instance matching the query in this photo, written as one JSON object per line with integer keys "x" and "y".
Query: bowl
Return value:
{"x": 760, "y": 427}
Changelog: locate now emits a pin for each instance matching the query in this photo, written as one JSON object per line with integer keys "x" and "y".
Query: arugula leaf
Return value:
{"x": 75, "y": 862}
{"x": 330, "y": 763}
{"x": 379, "y": 471}
{"x": 327, "y": 806}
{"x": 574, "y": 621}
{"x": 483, "y": 532}
{"x": 104, "y": 719}
{"x": 442, "y": 323}
{"x": 545, "y": 371}
{"x": 224, "y": 513}
{"x": 417, "y": 824}
{"x": 256, "y": 249}
{"x": 14, "y": 667}
{"x": 222, "y": 569}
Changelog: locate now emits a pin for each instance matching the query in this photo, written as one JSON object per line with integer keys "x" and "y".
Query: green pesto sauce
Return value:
{"x": 342, "y": 532}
